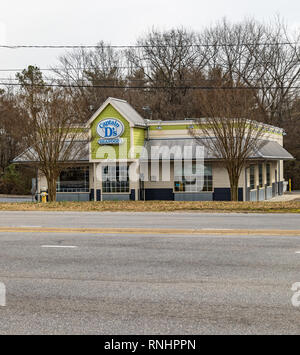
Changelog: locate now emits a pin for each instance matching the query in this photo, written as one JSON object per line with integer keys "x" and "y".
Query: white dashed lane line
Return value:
{"x": 60, "y": 246}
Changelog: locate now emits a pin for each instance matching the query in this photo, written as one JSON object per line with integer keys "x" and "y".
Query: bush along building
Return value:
{"x": 130, "y": 158}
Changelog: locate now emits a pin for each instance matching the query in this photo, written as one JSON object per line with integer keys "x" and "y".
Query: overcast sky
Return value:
{"x": 116, "y": 21}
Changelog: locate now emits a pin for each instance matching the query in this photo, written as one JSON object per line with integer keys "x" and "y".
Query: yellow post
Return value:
{"x": 290, "y": 184}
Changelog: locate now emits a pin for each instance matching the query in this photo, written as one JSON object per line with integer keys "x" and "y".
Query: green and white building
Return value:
{"x": 124, "y": 149}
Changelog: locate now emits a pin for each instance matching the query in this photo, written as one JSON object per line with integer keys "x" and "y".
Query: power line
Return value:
{"x": 70, "y": 69}
{"x": 155, "y": 87}
{"x": 146, "y": 46}
{"x": 86, "y": 82}
{"x": 124, "y": 78}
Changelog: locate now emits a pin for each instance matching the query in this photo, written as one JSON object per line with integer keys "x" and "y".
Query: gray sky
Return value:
{"x": 116, "y": 21}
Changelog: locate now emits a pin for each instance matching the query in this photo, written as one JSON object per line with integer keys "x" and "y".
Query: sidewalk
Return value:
{"x": 15, "y": 198}
{"x": 288, "y": 196}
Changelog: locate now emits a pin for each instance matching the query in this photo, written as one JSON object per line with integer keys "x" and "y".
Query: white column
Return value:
{"x": 264, "y": 174}
{"x": 95, "y": 182}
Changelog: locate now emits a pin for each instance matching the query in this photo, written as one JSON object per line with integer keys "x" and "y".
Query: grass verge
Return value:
{"x": 158, "y": 206}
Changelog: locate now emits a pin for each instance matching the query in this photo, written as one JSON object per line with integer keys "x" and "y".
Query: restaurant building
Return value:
{"x": 128, "y": 158}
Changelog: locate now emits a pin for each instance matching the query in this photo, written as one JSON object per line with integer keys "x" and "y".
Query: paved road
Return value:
{"x": 148, "y": 284}
{"x": 150, "y": 220}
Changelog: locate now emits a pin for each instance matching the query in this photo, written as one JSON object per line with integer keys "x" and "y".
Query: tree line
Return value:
{"x": 167, "y": 75}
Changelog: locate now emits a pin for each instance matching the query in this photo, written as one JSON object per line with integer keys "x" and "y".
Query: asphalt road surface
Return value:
{"x": 68, "y": 283}
{"x": 150, "y": 220}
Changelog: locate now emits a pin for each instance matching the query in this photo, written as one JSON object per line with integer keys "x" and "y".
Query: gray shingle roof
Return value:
{"x": 273, "y": 150}
{"x": 269, "y": 149}
{"x": 128, "y": 111}
{"x": 81, "y": 148}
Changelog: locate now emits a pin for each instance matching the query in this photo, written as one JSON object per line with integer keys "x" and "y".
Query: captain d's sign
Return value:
{"x": 110, "y": 130}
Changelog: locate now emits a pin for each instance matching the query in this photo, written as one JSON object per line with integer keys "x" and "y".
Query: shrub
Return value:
{"x": 14, "y": 182}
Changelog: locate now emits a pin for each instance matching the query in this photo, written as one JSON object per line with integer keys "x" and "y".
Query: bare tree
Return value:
{"x": 11, "y": 134}
{"x": 265, "y": 58}
{"x": 230, "y": 132}
{"x": 262, "y": 57}
{"x": 50, "y": 125}
{"x": 85, "y": 70}
{"x": 169, "y": 61}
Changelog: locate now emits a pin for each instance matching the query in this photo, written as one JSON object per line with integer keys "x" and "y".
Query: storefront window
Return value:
{"x": 75, "y": 179}
{"x": 260, "y": 170}
{"x": 268, "y": 174}
{"x": 115, "y": 179}
{"x": 193, "y": 183}
{"x": 252, "y": 177}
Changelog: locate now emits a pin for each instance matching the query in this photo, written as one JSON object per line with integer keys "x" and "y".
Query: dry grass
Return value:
{"x": 158, "y": 206}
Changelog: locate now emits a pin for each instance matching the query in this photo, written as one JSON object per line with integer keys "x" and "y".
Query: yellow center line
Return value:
{"x": 151, "y": 231}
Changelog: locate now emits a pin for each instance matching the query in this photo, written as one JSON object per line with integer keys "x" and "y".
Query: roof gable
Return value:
{"x": 123, "y": 107}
